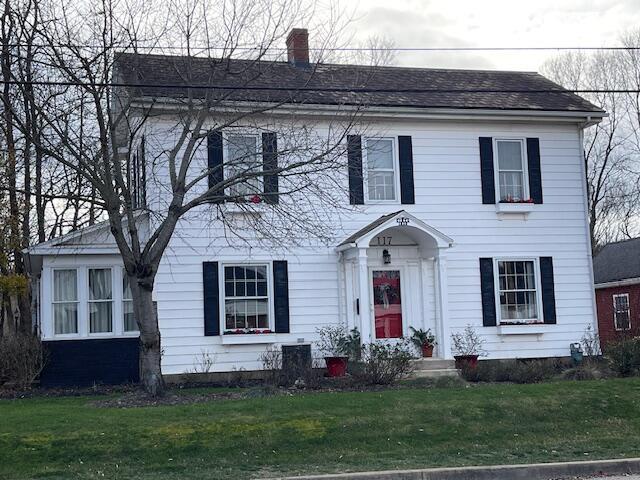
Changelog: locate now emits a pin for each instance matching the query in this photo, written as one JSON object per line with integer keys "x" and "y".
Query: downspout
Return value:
{"x": 342, "y": 290}
{"x": 585, "y": 196}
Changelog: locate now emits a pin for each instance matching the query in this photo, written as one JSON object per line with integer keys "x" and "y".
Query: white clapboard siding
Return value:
{"x": 448, "y": 197}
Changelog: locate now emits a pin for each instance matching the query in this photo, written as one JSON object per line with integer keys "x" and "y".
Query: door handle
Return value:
{"x": 357, "y": 306}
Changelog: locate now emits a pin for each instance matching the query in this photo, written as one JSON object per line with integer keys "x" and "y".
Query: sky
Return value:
{"x": 490, "y": 23}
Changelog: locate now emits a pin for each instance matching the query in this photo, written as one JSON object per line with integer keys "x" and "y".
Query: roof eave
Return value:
{"x": 586, "y": 117}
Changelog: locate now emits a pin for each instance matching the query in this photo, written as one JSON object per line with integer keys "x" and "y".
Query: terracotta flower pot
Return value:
{"x": 336, "y": 366}
{"x": 466, "y": 361}
{"x": 427, "y": 350}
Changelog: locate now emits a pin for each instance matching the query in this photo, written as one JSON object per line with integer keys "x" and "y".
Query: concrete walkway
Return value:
{"x": 538, "y": 471}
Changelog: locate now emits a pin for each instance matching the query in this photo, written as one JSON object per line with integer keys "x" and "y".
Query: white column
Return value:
{"x": 365, "y": 304}
{"x": 444, "y": 342}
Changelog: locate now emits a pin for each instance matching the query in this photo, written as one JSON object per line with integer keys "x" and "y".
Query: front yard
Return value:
{"x": 71, "y": 437}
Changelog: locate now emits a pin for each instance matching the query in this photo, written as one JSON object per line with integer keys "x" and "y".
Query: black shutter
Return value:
{"x": 405, "y": 152}
{"x": 281, "y": 295}
{"x": 211, "y": 298}
{"x": 215, "y": 163}
{"x": 487, "y": 291}
{"x": 486, "y": 171}
{"x": 354, "y": 157}
{"x": 548, "y": 290}
{"x": 535, "y": 173}
{"x": 270, "y": 164}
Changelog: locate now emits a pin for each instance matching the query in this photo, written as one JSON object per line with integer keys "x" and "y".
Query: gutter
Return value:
{"x": 618, "y": 283}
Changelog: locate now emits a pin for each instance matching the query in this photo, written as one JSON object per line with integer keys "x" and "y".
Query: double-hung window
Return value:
{"x": 381, "y": 170}
{"x": 100, "y": 301}
{"x": 130, "y": 324}
{"x": 244, "y": 166}
{"x": 65, "y": 301}
{"x": 511, "y": 169}
{"x": 518, "y": 291}
{"x": 246, "y": 297}
{"x": 621, "y": 311}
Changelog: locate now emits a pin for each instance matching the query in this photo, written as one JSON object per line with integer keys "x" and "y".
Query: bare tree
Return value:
{"x": 612, "y": 148}
{"x": 97, "y": 124}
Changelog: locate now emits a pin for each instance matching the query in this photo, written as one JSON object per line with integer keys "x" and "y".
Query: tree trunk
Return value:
{"x": 150, "y": 348}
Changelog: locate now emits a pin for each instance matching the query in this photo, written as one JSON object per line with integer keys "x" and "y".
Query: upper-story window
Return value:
{"x": 512, "y": 171}
{"x": 381, "y": 170}
{"x": 65, "y": 301}
{"x": 137, "y": 175}
{"x": 100, "y": 300}
{"x": 245, "y": 164}
{"x": 518, "y": 291}
{"x": 621, "y": 311}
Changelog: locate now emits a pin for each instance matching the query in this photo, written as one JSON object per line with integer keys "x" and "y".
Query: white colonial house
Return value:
{"x": 464, "y": 204}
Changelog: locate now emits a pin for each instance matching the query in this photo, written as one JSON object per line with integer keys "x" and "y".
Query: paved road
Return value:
{"x": 617, "y": 477}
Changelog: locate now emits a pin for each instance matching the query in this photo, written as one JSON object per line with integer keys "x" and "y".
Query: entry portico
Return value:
{"x": 395, "y": 276}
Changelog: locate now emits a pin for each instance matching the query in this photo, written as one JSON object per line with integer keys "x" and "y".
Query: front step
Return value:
{"x": 433, "y": 367}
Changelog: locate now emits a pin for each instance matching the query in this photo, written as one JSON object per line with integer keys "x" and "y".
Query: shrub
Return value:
{"x": 623, "y": 356}
{"x": 583, "y": 372}
{"x": 516, "y": 371}
{"x": 22, "y": 358}
{"x": 468, "y": 342}
{"x": 384, "y": 363}
{"x": 302, "y": 375}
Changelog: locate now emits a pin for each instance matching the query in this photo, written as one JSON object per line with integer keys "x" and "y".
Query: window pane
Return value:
{"x": 511, "y": 186}
{"x": 100, "y": 317}
{"x": 381, "y": 185}
{"x": 65, "y": 317}
{"x": 126, "y": 288}
{"x": 100, "y": 284}
{"x": 65, "y": 288}
{"x": 379, "y": 155}
{"x": 509, "y": 155}
{"x": 130, "y": 324}
{"x": 243, "y": 159}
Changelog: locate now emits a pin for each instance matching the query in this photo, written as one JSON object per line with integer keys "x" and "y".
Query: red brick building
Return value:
{"x": 616, "y": 271}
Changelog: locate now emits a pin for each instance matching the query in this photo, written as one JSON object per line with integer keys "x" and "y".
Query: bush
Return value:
{"x": 384, "y": 363}
{"x": 22, "y": 358}
{"x": 302, "y": 375}
{"x": 583, "y": 372}
{"x": 623, "y": 356}
{"x": 515, "y": 371}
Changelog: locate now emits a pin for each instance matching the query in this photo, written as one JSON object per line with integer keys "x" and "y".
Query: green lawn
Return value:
{"x": 324, "y": 432}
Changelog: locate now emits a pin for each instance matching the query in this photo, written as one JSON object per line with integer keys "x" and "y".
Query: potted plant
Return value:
{"x": 467, "y": 347}
{"x": 424, "y": 341}
{"x": 335, "y": 343}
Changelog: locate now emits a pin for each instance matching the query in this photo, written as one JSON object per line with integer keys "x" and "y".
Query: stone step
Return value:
{"x": 433, "y": 364}
{"x": 436, "y": 372}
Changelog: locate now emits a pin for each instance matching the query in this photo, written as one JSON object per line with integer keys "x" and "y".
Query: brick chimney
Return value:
{"x": 298, "y": 46}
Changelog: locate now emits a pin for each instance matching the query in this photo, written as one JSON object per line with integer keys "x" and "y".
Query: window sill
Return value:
{"x": 514, "y": 209}
{"x": 248, "y": 338}
{"x": 528, "y": 329}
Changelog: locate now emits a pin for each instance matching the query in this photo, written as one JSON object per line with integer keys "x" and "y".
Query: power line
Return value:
{"x": 318, "y": 89}
{"x": 330, "y": 49}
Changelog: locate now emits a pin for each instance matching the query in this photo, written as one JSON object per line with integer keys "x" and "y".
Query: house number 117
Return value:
{"x": 384, "y": 241}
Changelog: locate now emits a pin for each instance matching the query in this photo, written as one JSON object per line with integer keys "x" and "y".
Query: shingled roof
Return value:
{"x": 617, "y": 261}
{"x": 331, "y": 84}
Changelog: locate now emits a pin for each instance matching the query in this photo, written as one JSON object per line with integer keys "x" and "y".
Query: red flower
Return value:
{"x": 256, "y": 199}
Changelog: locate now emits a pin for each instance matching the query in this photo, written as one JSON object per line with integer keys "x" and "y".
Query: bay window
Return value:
{"x": 246, "y": 297}
{"x": 518, "y": 291}
{"x": 65, "y": 301}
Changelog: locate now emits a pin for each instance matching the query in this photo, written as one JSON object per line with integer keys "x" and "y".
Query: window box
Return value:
{"x": 524, "y": 328}
{"x": 247, "y": 338}
{"x": 512, "y": 208}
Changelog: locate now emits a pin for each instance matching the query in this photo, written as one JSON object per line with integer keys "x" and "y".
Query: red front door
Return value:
{"x": 387, "y": 303}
